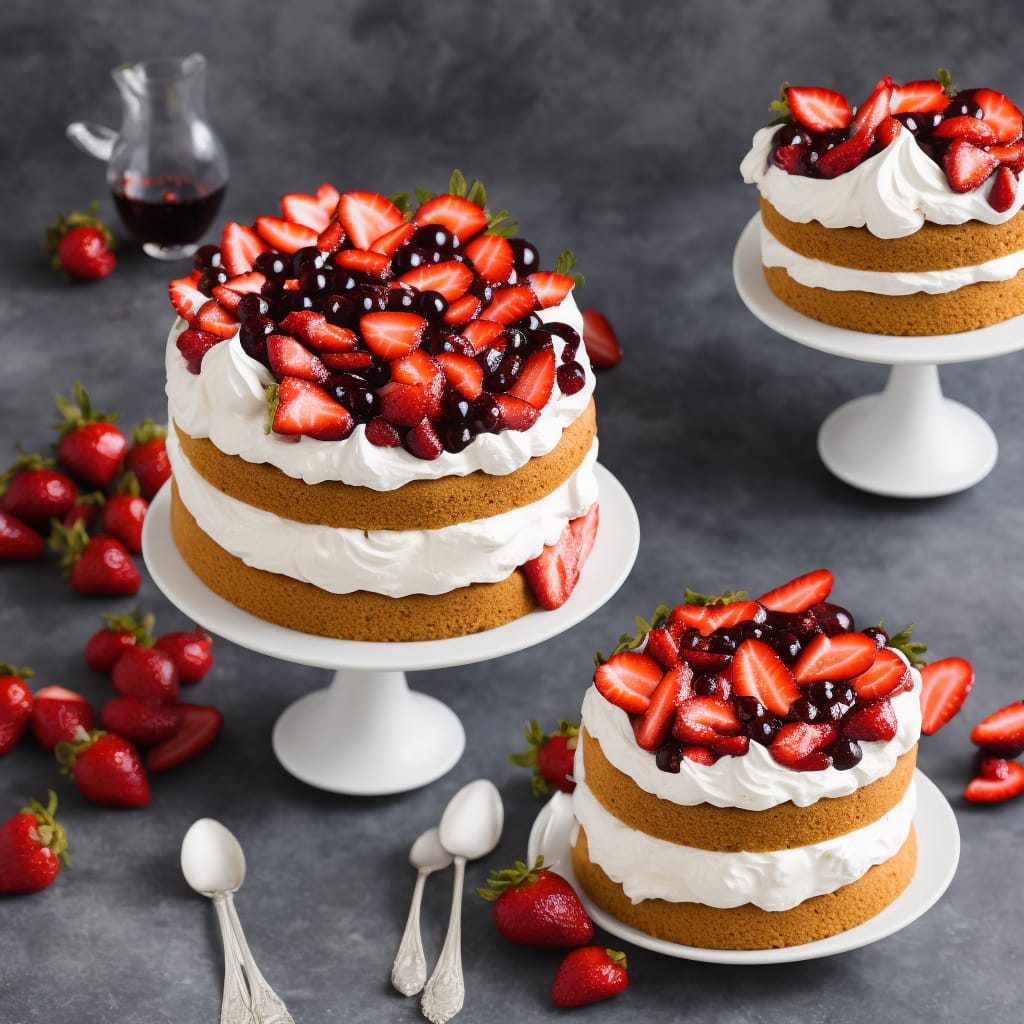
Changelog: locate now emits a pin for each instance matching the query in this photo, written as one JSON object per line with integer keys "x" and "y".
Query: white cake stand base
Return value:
{"x": 368, "y": 734}
{"x": 908, "y": 441}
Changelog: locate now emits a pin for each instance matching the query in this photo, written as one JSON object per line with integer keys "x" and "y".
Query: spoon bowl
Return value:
{"x": 212, "y": 859}
{"x": 427, "y": 853}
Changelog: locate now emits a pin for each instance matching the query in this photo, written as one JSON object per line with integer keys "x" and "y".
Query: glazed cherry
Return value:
{"x": 456, "y": 438}
{"x": 570, "y": 377}
{"x": 525, "y": 257}
{"x": 669, "y": 758}
{"x": 484, "y": 414}
{"x": 402, "y": 300}
{"x": 206, "y": 256}
{"x": 308, "y": 258}
{"x": 879, "y": 635}
{"x": 339, "y": 309}
{"x": 846, "y": 754}
{"x": 253, "y": 334}
{"x": 832, "y": 618}
{"x": 433, "y": 238}
{"x": 354, "y": 393}
{"x": 271, "y": 265}
{"x": 210, "y": 278}
{"x": 252, "y": 304}
{"x": 431, "y": 305}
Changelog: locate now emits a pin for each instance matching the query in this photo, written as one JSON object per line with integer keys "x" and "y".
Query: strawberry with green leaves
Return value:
{"x": 106, "y": 645}
{"x": 36, "y": 492}
{"x": 551, "y": 756}
{"x": 147, "y": 457}
{"x": 106, "y": 768}
{"x": 82, "y": 246}
{"x": 589, "y": 975}
{"x": 33, "y": 846}
{"x": 95, "y": 565}
{"x": 16, "y": 702}
{"x": 90, "y": 447}
{"x": 18, "y": 541}
{"x": 57, "y": 715}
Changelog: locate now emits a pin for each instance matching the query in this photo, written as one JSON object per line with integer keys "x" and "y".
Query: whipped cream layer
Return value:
{"x": 891, "y": 193}
{"x": 819, "y": 274}
{"x": 649, "y": 868}
{"x": 226, "y": 402}
{"x": 391, "y": 562}
{"x": 755, "y": 781}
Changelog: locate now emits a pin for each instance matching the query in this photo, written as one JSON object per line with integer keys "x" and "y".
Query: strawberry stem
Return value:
{"x": 515, "y": 877}
{"x": 51, "y": 834}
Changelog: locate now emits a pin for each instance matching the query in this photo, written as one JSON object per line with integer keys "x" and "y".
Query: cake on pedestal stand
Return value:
{"x": 368, "y": 734}
{"x": 908, "y": 441}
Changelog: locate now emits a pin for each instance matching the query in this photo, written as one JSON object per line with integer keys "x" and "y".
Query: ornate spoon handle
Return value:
{"x": 234, "y": 1007}
{"x": 266, "y": 1006}
{"x": 446, "y": 990}
{"x": 409, "y": 971}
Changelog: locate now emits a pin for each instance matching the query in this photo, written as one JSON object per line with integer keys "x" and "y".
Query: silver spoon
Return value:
{"x": 409, "y": 971}
{"x": 213, "y": 864}
{"x": 470, "y": 828}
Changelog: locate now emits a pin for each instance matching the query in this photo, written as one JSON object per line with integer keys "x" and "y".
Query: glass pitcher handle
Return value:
{"x": 92, "y": 139}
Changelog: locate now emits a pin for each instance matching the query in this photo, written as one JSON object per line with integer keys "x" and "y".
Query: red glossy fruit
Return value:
{"x": 18, "y": 541}
{"x": 628, "y": 680}
{"x": 801, "y": 745}
{"x": 600, "y": 340}
{"x": 99, "y": 565}
{"x": 91, "y": 447}
{"x": 16, "y": 703}
{"x": 554, "y": 573}
{"x": 146, "y": 674}
{"x": 392, "y": 335}
{"x": 1007, "y": 784}
{"x": 588, "y": 975}
{"x": 366, "y": 216}
{"x": 106, "y": 769}
{"x": 924, "y": 96}
{"x": 944, "y": 687}
{"x": 875, "y": 720}
{"x": 122, "y": 517}
{"x": 284, "y": 236}
{"x": 106, "y": 645}
{"x": 549, "y": 287}
{"x": 837, "y": 657}
{"x": 303, "y": 407}
{"x": 191, "y": 652}
{"x": 239, "y": 247}
{"x": 654, "y": 726}
{"x": 820, "y": 110}
{"x": 142, "y": 722}
{"x": 799, "y": 594}
{"x": 200, "y": 726}
{"x": 36, "y": 492}
{"x": 1002, "y": 732}
{"x": 461, "y": 217}
{"x": 32, "y": 848}
{"x": 704, "y": 719}
{"x": 57, "y": 714}
{"x": 551, "y": 755}
{"x": 147, "y": 457}
{"x": 757, "y": 671}
{"x": 1002, "y": 116}
{"x": 193, "y": 344}
{"x": 967, "y": 166}
{"x": 889, "y": 674}
{"x": 708, "y": 618}
{"x": 491, "y": 256}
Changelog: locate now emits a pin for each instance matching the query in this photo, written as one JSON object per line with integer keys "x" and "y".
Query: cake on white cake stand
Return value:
{"x": 908, "y": 441}
{"x": 367, "y": 733}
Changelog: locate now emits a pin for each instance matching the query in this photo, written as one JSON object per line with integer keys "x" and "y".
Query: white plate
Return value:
{"x": 938, "y": 850}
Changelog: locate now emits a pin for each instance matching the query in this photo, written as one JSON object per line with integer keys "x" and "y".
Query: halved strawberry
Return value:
{"x": 492, "y": 257}
{"x": 889, "y": 674}
{"x": 382, "y": 434}
{"x": 875, "y": 720}
{"x": 628, "y": 680}
{"x": 662, "y": 644}
{"x": 480, "y": 333}
{"x": 704, "y": 719}
{"x": 730, "y": 746}
{"x": 229, "y": 293}
{"x": 327, "y": 197}
{"x": 654, "y": 726}
{"x": 944, "y": 686}
{"x": 699, "y": 754}
{"x": 300, "y": 208}
{"x": 392, "y": 334}
{"x": 461, "y": 217}
{"x": 1002, "y": 116}
{"x": 392, "y": 240}
{"x": 317, "y": 332}
{"x": 463, "y": 373}
{"x": 186, "y": 298}
{"x": 1005, "y": 785}
{"x": 887, "y": 132}
{"x": 1011, "y": 154}
{"x": 757, "y": 671}
{"x": 536, "y": 379}
{"x": 553, "y": 573}
{"x": 584, "y": 528}
{"x": 365, "y": 260}
{"x": 366, "y": 216}
{"x": 1004, "y": 190}
{"x": 239, "y": 247}
{"x": 599, "y": 340}
{"x": 423, "y": 442}
{"x": 215, "y": 319}
{"x": 800, "y": 745}
{"x": 403, "y": 405}
{"x": 345, "y": 360}
{"x": 799, "y": 594}
{"x": 451, "y": 278}
{"x": 708, "y": 618}
{"x": 463, "y": 310}
{"x": 919, "y": 97}
{"x": 283, "y": 235}
{"x": 967, "y": 166}
{"x": 836, "y": 657}
{"x": 288, "y": 357}
{"x": 305, "y": 408}
{"x": 818, "y": 109}
{"x": 416, "y": 368}
{"x": 851, "y": 152}
{"x": 1002, "y": 732}
{"x": 971, "y": 128}
{"x": 193, "y": 344}
{"x": 510, "y": 304}
{"x": 332, "y": 237}
{"x": 515, "y": 413}
{"x": 549, "y": 287}
{"x": 200, "y": 725}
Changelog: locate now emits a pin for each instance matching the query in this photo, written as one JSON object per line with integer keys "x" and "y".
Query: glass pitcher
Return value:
{"x": 166, "y": 168}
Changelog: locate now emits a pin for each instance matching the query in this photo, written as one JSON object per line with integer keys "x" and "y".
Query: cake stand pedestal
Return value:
{"x": 367, "y": 733}
{"x": 908, "y": 441}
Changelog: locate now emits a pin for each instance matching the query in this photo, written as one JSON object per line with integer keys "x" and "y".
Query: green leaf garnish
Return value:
{"x": 913, "y": 649}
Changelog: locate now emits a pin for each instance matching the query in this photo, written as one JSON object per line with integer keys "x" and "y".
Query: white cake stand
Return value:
{"x": 907, "y": 441}
{"x": 367, "y": 733}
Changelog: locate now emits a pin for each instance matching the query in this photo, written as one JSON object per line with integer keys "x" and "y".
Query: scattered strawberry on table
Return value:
{"x": 108, "y": 643}
{"x": 57, "y": 715}
{"x": 32, "y": 848}
{"x": 588, "y": 975}
{"x": 90, "y": 446}
{"x": 1000, "y": 739}
{"x": 600, "y": 340}
{"x": 15, "y": 705}
{"x": 106, "y": 768}
{"x": 96, "y": 565}
{"x": 551, "y": 756}
{"x": 35, "y": 491}
{"x": 82, "y": 246}
{"x": 147, "y": 457}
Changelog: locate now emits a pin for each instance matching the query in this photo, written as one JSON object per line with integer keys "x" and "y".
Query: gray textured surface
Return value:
{"x": 615, "y": 129}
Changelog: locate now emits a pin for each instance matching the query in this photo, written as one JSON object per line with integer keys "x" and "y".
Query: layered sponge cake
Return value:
{"x": 745, "y": 772}
{"x": 383, "y": 422}
{"x": 900, "y": 216}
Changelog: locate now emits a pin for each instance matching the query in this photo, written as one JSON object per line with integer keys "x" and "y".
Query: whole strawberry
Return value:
{"x": 36, "y": 492}
{"x": 18, "y": 541}
{"x": 106, "y": 768}
{"x": 589, "y": 975}
{"x": 91, "y": 447}
{"x": 106, "y": 645}
{"x": 95, "y": 565}
{"x": 537, "y": 907}
{"x": 32, "y": 848}
{"x": 123, "y": 515}
{"x": 84, "y": 510}
{"x": 147, "y": 674}
{"x": 81, "y": 245}
{"x": 190, "y": 652}
{"x": 147, "y": 457}
{"x": 551, "y": 756}
{"x": 139, "y": 720}
{"x": 58, "y": 714}
{"x": 15, "y": 705}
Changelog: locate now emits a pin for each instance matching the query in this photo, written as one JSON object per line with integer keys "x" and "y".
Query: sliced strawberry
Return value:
{"x": 553, "y": 573}
{"x": 584, "y": 529}
{"x": 416, "y": 368}
{"x": 708, "y": 618}
{"x": 392, "y": 334}
{"x": 200, "y": 726}
{"x": 213, "y": 318}
{"x": 346, "y": 360}
{"x": 662, "y": 645}
{"x": 186, "y": 298}
{"x": 382, "y": 434}
{"x": 757, "y": 671}
{"x": 463, "y": 373}
{"x": 654, "y": 726}
{"x": 699, "y": 754}
{"x": 366, "y": 216}
{"x": 230, "y": 293}
{"x": 549, "y": 287}
{"x": 1012, "y": 155}
{"x": 967, "y": 166}
{"x": 290, "y": 358}
{"x": 463, "y": 310}
{"x": 374, "y": 263}
{"x": 283, "y": 235}
{"x": 461, "y": 217}
{"x": 889, "y": 674}
{"x": 704, "y": 719}
{"x": 944, "y": 686}
{"x": 923, "y": 96}
{"x": 1006, "y": 785}
{"x": 600, "y": 341}
{"x": 836, "y": 657}
{"x": 515, "y": 413}
{"x": 317, "y": 332}
{"x": 800, "y": 745}
{"x": 628, "y": 680}
{"x": 964, "y": 127}
{"x": 1004, "y": 190}
{"x": 305, "y": 408}
{"x": 875, "y": 720}
{"x": 799, "y": 594}
{"x": 423, "y": 442}
{"x": 510, "y": 304}
{"x": 851, "y": 152}
{"x": 536, "y": 379}
{"x": 403, "y": 405}
{"x": 1002, "y": 116}
{"x": 792, "y": 159}
{"x": 142, "y": 722}
{"x": 1002, "y": 732}
{"x": 492, "y": 258}
{"x": 299, "y": 208}
{"x": 392, "y": 240}
{"x": 451, "y": 278}
{"x": 887, "y": 132}
{"x": 480, "y": 333}
{"x": 239, "y": 247}
{"x": 332, "y": 238}
{"x": 327, "y": 197}
{"x": 820, "y": 110}
{"x": 193, "y": 344}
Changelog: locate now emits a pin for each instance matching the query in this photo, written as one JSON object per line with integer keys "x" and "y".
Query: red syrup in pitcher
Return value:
{"x": 168, "y": 210}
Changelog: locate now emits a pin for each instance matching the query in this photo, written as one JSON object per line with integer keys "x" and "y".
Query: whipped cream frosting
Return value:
{"x": 345, "y": 560}
{"x": 650, "y": 868}
{"x": 819, "y": 274}
{"x": 226, "y": 402}
{"x": 755, "y": 781}
{"x": 891, "y": 193}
